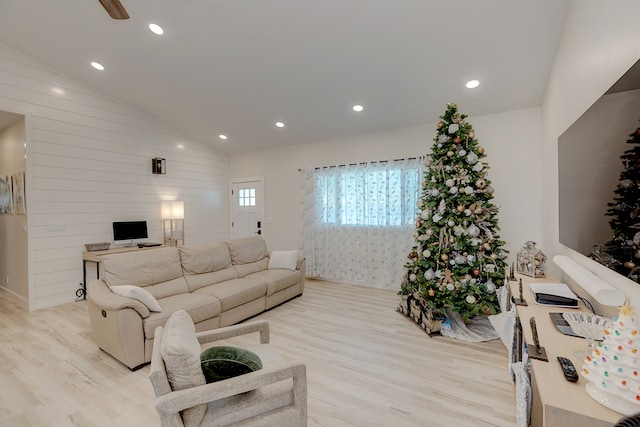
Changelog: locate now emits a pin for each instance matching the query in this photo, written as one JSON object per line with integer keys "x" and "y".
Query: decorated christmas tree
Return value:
{"x": 613, "y": 368}
{"x": 457, "y": 261}
{"x": 624, "y": 247}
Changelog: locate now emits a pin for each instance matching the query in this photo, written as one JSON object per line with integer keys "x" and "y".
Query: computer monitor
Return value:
{"x": 129, "y": 232}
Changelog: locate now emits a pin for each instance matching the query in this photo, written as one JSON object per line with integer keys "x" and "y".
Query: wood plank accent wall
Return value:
{"x": 89, "y": 164}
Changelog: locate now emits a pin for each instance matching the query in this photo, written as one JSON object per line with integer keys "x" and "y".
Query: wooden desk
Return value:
{"x": 96, "y": 257}
{"x": 556, "y": 401}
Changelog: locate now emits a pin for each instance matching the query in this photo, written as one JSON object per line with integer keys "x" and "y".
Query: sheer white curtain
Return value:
{"x": 358, "y": 221}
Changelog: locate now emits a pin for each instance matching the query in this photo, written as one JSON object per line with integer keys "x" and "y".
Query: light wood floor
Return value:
{"x": 366, "y": 366}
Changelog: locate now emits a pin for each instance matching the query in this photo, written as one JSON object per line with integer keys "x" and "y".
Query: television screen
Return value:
{"x": 129, "y": 231}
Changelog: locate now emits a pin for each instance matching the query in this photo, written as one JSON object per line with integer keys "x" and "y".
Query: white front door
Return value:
{"x": 247, "y": 207}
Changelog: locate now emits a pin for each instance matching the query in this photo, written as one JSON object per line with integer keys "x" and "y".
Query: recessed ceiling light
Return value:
{"x": 57, "y": 91}
{"x": 472, "y": 83}
{"x": 97, "y": 66}
{"x": 280, "y": 124}
{"x": 180, "y": 145}
{"x": 358, "y": 108}
{"x": 223, "y": 137}
{"x": 156, "y": 29}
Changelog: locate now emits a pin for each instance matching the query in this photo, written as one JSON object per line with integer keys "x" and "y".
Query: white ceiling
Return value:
{"x": 237, "y": 66}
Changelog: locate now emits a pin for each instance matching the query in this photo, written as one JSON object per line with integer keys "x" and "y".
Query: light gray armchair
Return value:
{"x": 275, "y": 395}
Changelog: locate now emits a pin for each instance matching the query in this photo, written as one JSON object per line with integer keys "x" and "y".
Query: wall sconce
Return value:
{"x": 173, "y": 222}
{"x": 158, "y": 166}
{"x": 600, "y": 290}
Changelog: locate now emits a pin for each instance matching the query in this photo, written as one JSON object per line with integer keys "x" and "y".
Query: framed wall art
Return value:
{"x": 19, "y": 203}
{"x": 6, "y": 195}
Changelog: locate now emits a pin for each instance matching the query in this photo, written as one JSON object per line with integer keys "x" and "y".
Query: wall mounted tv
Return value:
{"x": 589, "y": 167}
{"x": 129, "y": 232}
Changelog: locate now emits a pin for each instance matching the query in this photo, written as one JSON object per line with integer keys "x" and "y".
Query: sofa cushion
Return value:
{"x": 158, "y": 270}
{"x": 137, "y": 293}
{"x": 224, "y": 362}
{"x": 283, "y": 259}
{"x": 236, "y": 292}
{"x": 252, "y": 267}
{"x": 196, "y": 281}
{"x": 277, "y": 280}
{"x": 205, "y": 258}
{"x": 247, "y": 250}
{"x": 199, "y": 308}
{"x": 180, "y": 351}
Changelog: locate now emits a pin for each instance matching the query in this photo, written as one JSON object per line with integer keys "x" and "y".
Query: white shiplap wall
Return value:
{"x": 89, "y": 164}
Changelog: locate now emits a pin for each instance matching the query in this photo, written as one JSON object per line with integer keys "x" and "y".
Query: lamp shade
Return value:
{"x": 173, "y": 209}
{"x": 600, "y": 290}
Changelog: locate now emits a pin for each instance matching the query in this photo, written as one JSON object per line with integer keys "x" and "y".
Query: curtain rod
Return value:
{"x": 364, "y": 163}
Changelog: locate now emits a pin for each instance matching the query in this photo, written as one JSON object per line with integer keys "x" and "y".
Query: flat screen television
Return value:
{"x": 129, "y": 232}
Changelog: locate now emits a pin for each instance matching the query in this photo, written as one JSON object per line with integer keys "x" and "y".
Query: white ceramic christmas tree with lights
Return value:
{"x": 613, "y": 368}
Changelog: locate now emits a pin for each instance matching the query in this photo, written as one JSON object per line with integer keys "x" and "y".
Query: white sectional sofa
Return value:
{"x": 218, "y": 284}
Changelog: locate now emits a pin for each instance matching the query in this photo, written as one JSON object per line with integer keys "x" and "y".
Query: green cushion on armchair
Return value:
{"x": 223, "y": 362}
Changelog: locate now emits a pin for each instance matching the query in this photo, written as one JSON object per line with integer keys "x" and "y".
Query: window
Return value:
{"x": 247, "y": 197}
{"x": 378, "y": 195}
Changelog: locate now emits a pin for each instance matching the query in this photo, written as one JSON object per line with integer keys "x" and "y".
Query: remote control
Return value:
{"x": 568, "y": 369}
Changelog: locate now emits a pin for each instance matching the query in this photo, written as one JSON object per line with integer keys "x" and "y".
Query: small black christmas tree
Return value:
{"x": 458, "y": 261}
{"x": 624, "y": 247}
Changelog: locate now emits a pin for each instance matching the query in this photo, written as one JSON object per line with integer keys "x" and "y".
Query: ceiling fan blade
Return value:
{"x": 115, "y": 9}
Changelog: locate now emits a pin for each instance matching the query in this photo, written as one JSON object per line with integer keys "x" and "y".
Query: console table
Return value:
{"x": 557, "y": 402}
{"x": 96, "y": 257}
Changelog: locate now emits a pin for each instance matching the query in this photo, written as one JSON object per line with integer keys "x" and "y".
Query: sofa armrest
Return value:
{"x": 180, "y": 400}
{"x": 261, "y": 326}
{"x": 102, "y": 297}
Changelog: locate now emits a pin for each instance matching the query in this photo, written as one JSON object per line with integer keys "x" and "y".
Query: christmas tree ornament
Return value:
{"x": 451, "y": 223}
{"x": 431, "y": 292}
{"x": 450, "y": 182}
{"x": 440, "y": 124}
{"x": 462, "y": 152}
{"x": 473, "y": 230}
{"x": 412, "y": 277}
{"x": 472, "y": 158}
{"x": 472, "y": 134}
{"x": 629, "y": 265}
{"x": 444, "y": 257}
{"x": 424, "y": 215}
{"x": 453, "y": 190}
{"x": 460, "y": 208}
{"x": 476, "y": 271}
{"x": 480, "y": 150}
{"x": 453, "y": 128}
{"x": 478, "y": 167}
{"x": 471, "y": 299}
{"x": 450, "y": 153}
{"x": 468, "y": 190}
{"x": 457, "y": 140}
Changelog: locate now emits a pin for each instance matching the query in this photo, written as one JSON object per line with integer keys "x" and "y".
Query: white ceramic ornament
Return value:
{"x": 467, "y": 212}
{"x": 449, "y": 183}
{"x": 428, "y": 274}
{"x": 424, "y": 214}
{"x": 453, "y": 190}
{"x": 490, "y": 286}
{"x": 427, "y": 162}
{"x": 453, "y": 128}
{"x": 468, "y": 190}
{"x": 450, "y": 286}
{"x": 471, "y": 258}
{"x": 473, "y": 230}
{"x": 472, "y": 158}
{"x": 412, "y": 277}
{"x": 426, "y": 253}
{"x": 478, "y": 167}
{"x": 462, "y": 153}
{"x": 471, "y": 299}
{"x": 443, "y": 138}
{"x": 437, "y": 217}
{"x": 451, "y": 223}
{"x": 435, "y": 192}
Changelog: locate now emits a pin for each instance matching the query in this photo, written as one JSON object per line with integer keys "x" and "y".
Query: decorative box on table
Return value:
{"x": 530, "y": 261}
